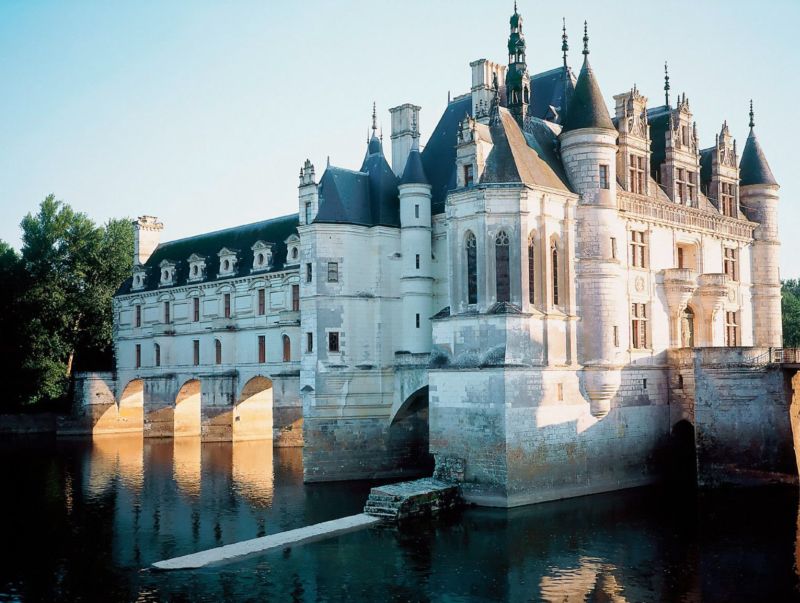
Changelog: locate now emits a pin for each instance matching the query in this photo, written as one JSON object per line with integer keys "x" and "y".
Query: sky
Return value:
{"x": 201, "y": 112}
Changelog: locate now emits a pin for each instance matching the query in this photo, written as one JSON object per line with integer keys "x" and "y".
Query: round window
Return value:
{"x": 226, "y": 265}
{"x": 294, "y": 253}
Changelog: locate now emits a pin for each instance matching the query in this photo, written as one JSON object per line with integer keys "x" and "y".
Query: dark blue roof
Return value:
{"x": 587, "y": 109}
{"x": 658, "y": 120}
{"x": 551, "y": 88}
{"x": 414, "y": 172}
{"x": 753, "y": 167}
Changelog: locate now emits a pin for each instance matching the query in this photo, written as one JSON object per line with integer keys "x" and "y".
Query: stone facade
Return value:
{"x": 517, "y": 300}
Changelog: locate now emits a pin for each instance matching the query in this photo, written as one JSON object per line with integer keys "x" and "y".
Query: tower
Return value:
{"x": 147, "y": 233}
{"x": 588, "y": 151}
{"x": 517, "y": 80}
{"x": 308, "y": 197}
{"x": 758, "y": 195}
{"x": 416, "y": 284}
{"x": 404, "y": 136}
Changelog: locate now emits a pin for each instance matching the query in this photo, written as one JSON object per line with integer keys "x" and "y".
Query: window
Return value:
{"x": 681, "y": 258}
{"x": 604, "y": 183}
{"x": 638, "y": 249}
{"x": 333, "y": 272}
{"x": 196, "y": 352}
{"x": 616, "y": 336}
{"x": 469, "y": 177}
{"x": 309, "y": 342}
{"x": 295, "y": 298}
{"x": 554, "y": 258}
{"x": 333, "y": 342}
{"x": 196, "y": 309}
{"x": 262, "y": 349}
{"x": 613, "y": 248}
{"x": 166, "y": 312}
{"x": 560, "y": 392}
{"x": 639, "y": 326}
{"x": 309, "y": 273}
{"x": 680, "y": 186}
{"x": 262, "y": 302}
{"x": 287, "y": 349}
{"x": 727, "y": 196}
{"x": 227, "y": 302}
{"x": 217, "y": 351}
{"x": 157, "y": 354}
{"x": 636, "y": 174}
{"x": 138, "y": 322}
{"x": 416, "y": 261}
{"x": 472, "y": 269}
{"x": 731, "y": 329}
{"x": 532, "y": 270}
{"x": 417, "y": 321}
{"x": 294, "y": 253}
{"x": 692, "y": 187}
{"x": 308, "y": 212}
{"x": 501, "y": 248}
{"x": 730, "y": 263}
{"x": 416, "y": 211}
{"x": 138, "y": 355}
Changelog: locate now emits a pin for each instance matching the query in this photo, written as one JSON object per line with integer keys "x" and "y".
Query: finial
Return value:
{"x": 585, "y": 38}
{"x": 752, "y": 115}
{"x": 515, "y": 6}
{"x": 374, "y": 119}
{"x": 564, "y": 43}
{"x": 666, "y": 84}
{"x": 328, "y": 164}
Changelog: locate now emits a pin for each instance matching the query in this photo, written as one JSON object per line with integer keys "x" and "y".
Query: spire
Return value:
{"x": 586, "y": 108}
{"x": 374, "y": 144}
{"x": 753, "y": 167}
{"x": 564, "y": 43}
{"x": 585, "y": 39}
{"x": 517, "y": 80}
{"x": 666, "y": 84}
{"x": 374, "y": 119}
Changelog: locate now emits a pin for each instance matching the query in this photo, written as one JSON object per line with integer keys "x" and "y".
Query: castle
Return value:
{"x": 530, "y": 304}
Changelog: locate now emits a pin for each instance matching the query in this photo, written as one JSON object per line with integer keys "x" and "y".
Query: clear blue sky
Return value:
{"x": 202, "y": 112}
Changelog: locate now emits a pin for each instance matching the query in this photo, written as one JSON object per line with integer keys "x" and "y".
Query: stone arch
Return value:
{"x": 187, "y": 412}
{"x": 688, "y": 324}
{"x": 253, "y": 410}
{"x": 131, "y": 404}
{"x": 683, "y": 461}
{"x": 409, "y": 433}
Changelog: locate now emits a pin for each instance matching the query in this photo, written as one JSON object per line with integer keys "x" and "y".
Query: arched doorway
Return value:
{"x": 187, "y": 410}
{"x": 687, "y": 328}
{"x": 131, "y": 405}
{"x": 409, "y": 431}
{"x": 252, "y": 415}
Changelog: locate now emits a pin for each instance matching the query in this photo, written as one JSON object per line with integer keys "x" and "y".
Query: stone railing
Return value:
{"x": 672, "y": 214}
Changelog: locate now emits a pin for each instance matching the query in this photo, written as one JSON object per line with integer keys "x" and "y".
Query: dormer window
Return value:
{"x": 167, "y": 273}
{"x": 293, "y": 249}
{"x": 262, "y": 256}
{"x": 227, "y": 262}
{"x": 138, "y": 280}
{"x": 197, "y": 268}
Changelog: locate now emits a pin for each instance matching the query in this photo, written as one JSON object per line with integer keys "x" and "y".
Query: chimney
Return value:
{"x": 405, "y": 128}
{"x": 147, "y": 233}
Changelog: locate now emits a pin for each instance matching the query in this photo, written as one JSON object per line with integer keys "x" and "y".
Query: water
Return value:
{"x": 82, "y": 519}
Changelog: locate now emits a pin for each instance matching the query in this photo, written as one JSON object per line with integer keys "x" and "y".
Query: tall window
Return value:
{"x": 308, "y": 212}
{"x": 166, "y": 312}
{"x": 691, "y": 186}
{"x": 639, "y": 325}
{"x": 196, "y": 352}
{"x": 501, "y": 247}
{"x": 309, "y": 342}
{"x": 138, "y": 322}
{"x": 295, "y": 298}
{"x": 138, "y": 355}
{"x": 638, "y": 249}
{"x": 729, "y": 263}
{"x": 157, "y": 354}
{"x": 227, "y": 301}
{"x": 416, "y": 261}
{"x": 217, "y": 351}
{"x": 727, "y": 197}
{"x": 680, "y": 186}
{"x": 469, "y": 175}
{"x": 531, "y": 270}
{"x": 416, "y": 211}
{"x": 731, "y": 329}
{"x": 636, "y": 173}
{"x": 333, "y": 272}
{"x": 604, "y": 182}
{"x": 196, "y": 309}
{"x": 287, "y": 349}
{"x": 262, "y": 302}
{"x": 333, "y": 342}
{"x": 309, "y": 272}
{"x": 262, "y": 349}
{"x": 554, "y": 260}
{"x": 472, "y": 269}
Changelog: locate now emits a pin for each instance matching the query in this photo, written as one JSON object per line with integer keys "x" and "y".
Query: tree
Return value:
{"x": 790, "y": 293}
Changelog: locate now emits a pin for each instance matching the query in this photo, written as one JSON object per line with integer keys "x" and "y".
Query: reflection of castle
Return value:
{"x": 519, "y": 297}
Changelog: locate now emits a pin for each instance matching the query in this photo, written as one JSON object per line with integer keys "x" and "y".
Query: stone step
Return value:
{"x": 417, "y": 498}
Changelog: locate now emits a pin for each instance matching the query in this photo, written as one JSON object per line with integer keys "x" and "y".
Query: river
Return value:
{"x": 84, "y": 518}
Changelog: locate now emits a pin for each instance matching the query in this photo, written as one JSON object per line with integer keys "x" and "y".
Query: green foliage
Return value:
{"x": 59, "y": 299}
{"x": 791, "y": 313}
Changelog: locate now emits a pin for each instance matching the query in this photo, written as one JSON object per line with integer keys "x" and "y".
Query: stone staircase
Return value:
{"x": 418, "y": 498}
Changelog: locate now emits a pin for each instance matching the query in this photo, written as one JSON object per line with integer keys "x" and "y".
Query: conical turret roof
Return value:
{"x": 587, "y": 109}
{"x": 414, "y": 173}
{"x": 753, "y": 168}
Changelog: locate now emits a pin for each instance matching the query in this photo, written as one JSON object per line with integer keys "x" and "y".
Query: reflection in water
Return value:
{"x": 115, "y": 455}
{"x": 252, "y": 471}
{"x": 186, "y": 464}
{"x": 591, "y": 580}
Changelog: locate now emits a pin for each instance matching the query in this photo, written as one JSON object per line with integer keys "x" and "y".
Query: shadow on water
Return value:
{"x": 83, "y": 517}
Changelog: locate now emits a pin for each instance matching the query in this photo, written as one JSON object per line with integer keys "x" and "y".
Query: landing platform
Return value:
{"x": 418, "y": 498}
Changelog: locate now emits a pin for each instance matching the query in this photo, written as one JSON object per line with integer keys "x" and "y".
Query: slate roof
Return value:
{"x": 414, "y": 172}
{"x": 208, "y": 245}
{"x": 587, "y": 109}
{"x": 368, "y": 197}
{"x": 551, "y": 88}
{"x": 658, "y": 119}
{"x": 753, "y": 167}
{"x": 706, "y": 159}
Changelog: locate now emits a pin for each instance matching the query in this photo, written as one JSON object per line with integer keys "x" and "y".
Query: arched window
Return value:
{"x": 501, "y": 248}
{"x": 157, "y": 354}
{"x": 556, "y": 292}
{"x": 525, "y": 95}
{"x": 472, "y": 268}
{"x": 531, "y": 270}
{"x": 217, "y": 351}
{"x": 287, "y": 349}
